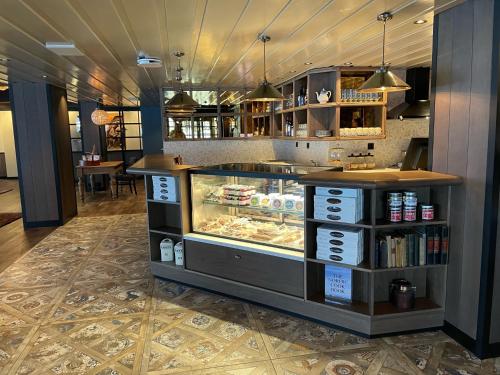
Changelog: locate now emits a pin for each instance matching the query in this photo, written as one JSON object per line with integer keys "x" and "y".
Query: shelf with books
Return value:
{"x": 386, "y": 224}
{"x": 409, "y": 248}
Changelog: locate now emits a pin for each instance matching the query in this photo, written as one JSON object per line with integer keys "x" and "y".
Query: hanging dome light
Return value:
{"x": 99, "y": 117}
{"x": 265, "y": 92}
{"x": 181, "y": 104}
{"x": 383, "y": 80}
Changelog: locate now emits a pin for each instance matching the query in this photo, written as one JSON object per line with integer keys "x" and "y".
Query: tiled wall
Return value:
{"x": 387, "y": 151}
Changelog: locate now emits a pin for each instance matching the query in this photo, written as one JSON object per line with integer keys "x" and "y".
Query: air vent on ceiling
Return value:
{"x": 63, "y": 48}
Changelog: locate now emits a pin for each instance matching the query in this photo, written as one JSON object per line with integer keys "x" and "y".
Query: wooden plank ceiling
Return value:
{"x": 219, "y": 38}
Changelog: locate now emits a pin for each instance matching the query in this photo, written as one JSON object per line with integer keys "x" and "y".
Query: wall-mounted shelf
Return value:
{"x": 333, "y": 115}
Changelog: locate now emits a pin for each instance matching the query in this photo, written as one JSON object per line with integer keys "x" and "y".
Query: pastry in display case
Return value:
{"x": 255, "y": 203}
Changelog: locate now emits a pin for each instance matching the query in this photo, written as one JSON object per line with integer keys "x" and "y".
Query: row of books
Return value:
{"x": 426, "y": 245}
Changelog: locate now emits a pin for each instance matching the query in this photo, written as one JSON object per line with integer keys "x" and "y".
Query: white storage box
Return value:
{"x": 352, "y": 260}
{"x": 346, "y": 235}
{"x": 164, "y": 188}
{"x": 347, "y": 210}
{"x": 339, "y": 192}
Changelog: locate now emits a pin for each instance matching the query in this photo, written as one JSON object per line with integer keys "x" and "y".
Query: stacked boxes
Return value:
{"x": 338, "y": 205}
{"x": 164, "y": 188}
{"x": 339, "y": 244}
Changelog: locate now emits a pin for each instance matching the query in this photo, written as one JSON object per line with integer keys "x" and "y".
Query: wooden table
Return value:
{"x": 111, "y": 168}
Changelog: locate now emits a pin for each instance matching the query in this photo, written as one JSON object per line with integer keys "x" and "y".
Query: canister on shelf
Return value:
{"x": 402, "y": 294}
{"x": 394, "y": 206}
{"x": 179, "y": 254}
{"x": 410, "y": 198}
{"x": 427, "y": 212}
{"x": 167, "y": 250}
{"x": 410, "y": 213}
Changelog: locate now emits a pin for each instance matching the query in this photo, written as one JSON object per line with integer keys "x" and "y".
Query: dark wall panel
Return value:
{"x": 34, "y": 152}
{"x": 64, "y": 158}
{"x": 152, "y": 138}
{"x": 42, "y": 144}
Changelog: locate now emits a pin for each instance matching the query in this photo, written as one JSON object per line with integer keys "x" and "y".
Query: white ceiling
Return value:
{"x": 219, "y": 38}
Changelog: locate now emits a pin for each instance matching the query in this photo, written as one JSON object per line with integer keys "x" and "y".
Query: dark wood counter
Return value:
{"x": 377, "y": 180}
{"x": 157, "y": 164}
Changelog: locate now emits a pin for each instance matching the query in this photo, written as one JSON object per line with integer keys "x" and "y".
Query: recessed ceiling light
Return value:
{"x": 292, "y": 71}
{"x": 308, "y": 63}
{"x": 419, "y": 22}
{"x": 44, "y": 76}
{"x": 348, "y": 63}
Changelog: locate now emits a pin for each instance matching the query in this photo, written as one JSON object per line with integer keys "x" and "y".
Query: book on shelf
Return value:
{"x": 338, "y": 283}
{"x": 419, "y": 247}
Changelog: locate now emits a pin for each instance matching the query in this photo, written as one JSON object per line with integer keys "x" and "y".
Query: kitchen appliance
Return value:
{"x": 416, "y": 104}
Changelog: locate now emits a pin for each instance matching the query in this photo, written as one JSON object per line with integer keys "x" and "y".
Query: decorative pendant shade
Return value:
{"x": 99, "y": 117}
{"x": 265, "y": 92}
{"x": 181, "y": 104}
{"x": 383, "y": 80}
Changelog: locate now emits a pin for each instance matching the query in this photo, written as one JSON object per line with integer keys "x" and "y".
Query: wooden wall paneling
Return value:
{"x": 495, "y": 310}
{"x": 441, "y": 119}
{"x": 34, "y": 152}
{"x": 455, "y": 148}
{"x": 63, "y": 155}
{"x": 477, "y": 156}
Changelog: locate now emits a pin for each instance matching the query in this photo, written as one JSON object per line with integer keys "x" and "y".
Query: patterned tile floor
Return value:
{"x": 84, "y": 302}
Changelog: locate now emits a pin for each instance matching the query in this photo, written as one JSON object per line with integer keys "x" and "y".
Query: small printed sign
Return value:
{"x": 338, "y": 283}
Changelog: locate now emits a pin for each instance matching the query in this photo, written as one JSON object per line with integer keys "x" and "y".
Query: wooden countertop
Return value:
{"x": 157, "y": 164}
{"x": 372, "y": 180}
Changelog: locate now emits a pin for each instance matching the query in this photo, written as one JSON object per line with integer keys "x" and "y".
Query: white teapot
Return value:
{"x": 323, "y": 96}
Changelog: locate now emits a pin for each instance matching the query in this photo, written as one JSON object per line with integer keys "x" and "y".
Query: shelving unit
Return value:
{"x": 370, "y": 284}
{"x": 338, "y": 113}
{"x": 289, "y": 280}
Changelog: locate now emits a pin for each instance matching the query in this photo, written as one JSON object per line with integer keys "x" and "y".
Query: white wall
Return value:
{"x": 7, "y": 144}
{"x": 387, "y": 151}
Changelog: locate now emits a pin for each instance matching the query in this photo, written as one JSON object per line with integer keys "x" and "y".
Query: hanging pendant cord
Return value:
{"x": 265, "y": 78}
{"x": 383, "y": 45}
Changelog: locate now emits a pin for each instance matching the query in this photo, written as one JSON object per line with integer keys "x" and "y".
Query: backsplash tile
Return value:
{"x": 387, "y": 151}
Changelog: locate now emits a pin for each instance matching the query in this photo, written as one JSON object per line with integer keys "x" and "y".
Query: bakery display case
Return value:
{"x": 256, "y": 203}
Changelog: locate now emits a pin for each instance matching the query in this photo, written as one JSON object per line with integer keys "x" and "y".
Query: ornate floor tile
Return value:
{"x": 29, "y": 273}
{"x": 106, "y": 346}
{"x": 445, "y": 357}
{"x": 255, "y": 368}
{"x": 12, "y": 341}
{"x": 101, "y": 297}
{"x": 26, "y": 306}
{"x": 114, "y": 244}
{"x": 349, "y": 362}
{"x": 55, "y": 248}
{"x": 286, "y": 336}
{"x": 193, "y": 330}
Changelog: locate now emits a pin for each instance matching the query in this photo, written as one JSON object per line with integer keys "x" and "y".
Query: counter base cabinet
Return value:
{"x": 265, "y": 271}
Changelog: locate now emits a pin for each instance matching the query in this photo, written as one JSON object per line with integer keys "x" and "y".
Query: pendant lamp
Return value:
{"x": 265, "y": 92}
{"x": 181, "y": 104}
{"x": 383, "y": 80}
{"x": 99, "y": 116}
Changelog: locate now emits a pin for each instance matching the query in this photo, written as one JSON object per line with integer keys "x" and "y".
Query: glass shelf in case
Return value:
{"x": 266, "y": 210}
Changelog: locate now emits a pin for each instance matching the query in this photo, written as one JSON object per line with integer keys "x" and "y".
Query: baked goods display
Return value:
{"x": 246, "y": 195}
{"x": 254, "y": 230}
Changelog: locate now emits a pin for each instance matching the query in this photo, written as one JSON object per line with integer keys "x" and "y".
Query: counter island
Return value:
{"x": 306, "y": 240}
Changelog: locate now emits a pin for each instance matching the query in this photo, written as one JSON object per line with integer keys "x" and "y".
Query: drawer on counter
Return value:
{"x": 264, "y": 271}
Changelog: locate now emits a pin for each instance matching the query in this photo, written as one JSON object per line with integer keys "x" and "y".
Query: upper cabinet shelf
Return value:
{"x": 323, "y": 104}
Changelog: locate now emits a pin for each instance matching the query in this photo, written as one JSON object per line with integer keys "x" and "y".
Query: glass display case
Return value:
{"x": 256, "y": 203}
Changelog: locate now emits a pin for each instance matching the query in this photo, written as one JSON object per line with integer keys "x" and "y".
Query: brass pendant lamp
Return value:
{"x": 383, "y": 80}
{"x": 265, "y": 92}
{"x": 181, "y": 104}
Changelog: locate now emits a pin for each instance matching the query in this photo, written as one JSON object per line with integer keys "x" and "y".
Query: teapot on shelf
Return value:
{"x": 323, "y": 96}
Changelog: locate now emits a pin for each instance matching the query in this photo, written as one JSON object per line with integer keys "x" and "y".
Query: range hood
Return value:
{"x": 416, "y": 103}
